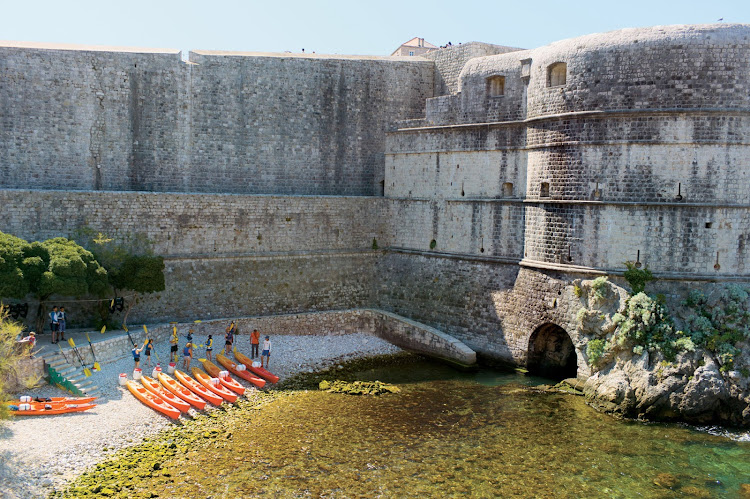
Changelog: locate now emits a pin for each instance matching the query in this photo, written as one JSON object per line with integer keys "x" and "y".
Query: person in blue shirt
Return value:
{"x": 137, "y": 355}
{"x": 187, "y": 356}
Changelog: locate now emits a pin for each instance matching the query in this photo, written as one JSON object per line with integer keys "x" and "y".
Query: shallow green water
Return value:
{"x": 450, "y": 434}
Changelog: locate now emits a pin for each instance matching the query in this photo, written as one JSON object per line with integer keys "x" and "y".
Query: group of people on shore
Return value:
{"x": 187, "y": 351}
{"x": 57, "y": 320}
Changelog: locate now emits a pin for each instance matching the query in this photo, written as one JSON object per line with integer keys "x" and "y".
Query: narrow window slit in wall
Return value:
{"x": 709, "y": 225}
{"x": 508, "y": 189}
{"x": 544, "y": 190}
{"x": 496, "y": 86}
{"x": 557, "y": 74}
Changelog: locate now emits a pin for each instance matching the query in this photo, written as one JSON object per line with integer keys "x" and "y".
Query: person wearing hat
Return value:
{"x": 266, "y": 351}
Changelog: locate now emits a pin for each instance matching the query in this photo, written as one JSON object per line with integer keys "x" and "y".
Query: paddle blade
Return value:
{"x": 145, "y": 329}
{"x": 125, "y": 328}
{"x": 174, "y": 329}
{"x": 71, "y": 342}
{"x": 198, "y": 321}
{"x": 87, "y": 371}
{"x": 97, "y": 367}
{"x": 104, "y": 328}
{"x": 203, "y": 360}
{"x": 88, "y": 337}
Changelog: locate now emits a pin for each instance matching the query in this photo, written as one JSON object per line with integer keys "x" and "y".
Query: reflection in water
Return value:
{"x": 451, "y": 434}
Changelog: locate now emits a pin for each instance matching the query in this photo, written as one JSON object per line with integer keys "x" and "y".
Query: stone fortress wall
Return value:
{"x": 502, "y": 184}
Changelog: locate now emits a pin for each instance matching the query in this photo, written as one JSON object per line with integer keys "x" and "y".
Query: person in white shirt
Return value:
{"x": 266, "y": 353}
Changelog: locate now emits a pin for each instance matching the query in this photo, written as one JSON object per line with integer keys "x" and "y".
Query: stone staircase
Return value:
{"x": 71, "y": 373}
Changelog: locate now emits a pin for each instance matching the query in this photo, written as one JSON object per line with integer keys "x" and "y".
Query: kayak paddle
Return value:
{"x": 97, "y": 367}
{"x": 86, "y": 370}
{"x": 129, "y": 337}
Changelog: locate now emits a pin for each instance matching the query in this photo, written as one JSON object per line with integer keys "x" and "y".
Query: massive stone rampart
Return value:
{"x": 131, "y": 120}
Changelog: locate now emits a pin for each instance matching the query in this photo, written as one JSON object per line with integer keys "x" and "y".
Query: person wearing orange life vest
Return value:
{"x": 254, "y": 343}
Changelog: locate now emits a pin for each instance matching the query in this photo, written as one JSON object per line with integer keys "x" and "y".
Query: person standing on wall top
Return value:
{"x": 254, "y": 343}
{"x": 53, "y": 323}
{"x": 61, "y": 319}
{"x": 266, "y": 351}
{"x": 229, "y": 337}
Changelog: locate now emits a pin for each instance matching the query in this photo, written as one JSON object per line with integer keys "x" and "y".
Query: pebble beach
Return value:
{"x": 39, "y": 454}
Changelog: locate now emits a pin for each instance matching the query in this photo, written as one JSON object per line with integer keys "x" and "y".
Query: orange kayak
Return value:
{"x": 232, "y": 368}
{"x": 229, "y": 382}
{"x": 173, "y": 386}
{"x": 56, "y": 400}
{"x": 39, "y": 408}
{"x": 205, "y": 380}
{"x": 263, "y": 373}
{"x": 153, "y": 401}
{"x": 197, "y": 388}
{"x": 170, "y": 398}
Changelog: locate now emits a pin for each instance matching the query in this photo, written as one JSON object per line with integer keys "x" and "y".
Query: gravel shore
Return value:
{"x": 39, "y": 454}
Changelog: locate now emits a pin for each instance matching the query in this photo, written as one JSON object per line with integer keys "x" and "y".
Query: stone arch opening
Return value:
{"x": 551, "y": 353}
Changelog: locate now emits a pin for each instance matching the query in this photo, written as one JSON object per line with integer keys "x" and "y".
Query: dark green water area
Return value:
{"x": 445, "y": 434}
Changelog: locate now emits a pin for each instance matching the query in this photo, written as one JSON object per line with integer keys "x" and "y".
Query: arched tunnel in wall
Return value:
{"x": 551, "y": 353}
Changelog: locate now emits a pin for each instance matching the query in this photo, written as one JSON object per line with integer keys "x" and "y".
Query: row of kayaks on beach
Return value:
{"x": 26, "y": 406}
{"x": 173, "y": 397}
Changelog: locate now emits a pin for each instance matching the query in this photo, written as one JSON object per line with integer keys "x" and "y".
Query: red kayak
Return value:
{"x": 153, "y": 401}
{"x": 263, "y": 373}
{"x": 197, "y": 388}
{"x": 55, "y": 400}
{"x": 226, "y": 380}
{"x": 170, "y": 398}
{"x": 173, "y": 386}
{"x": 232, "y": 368}
{"x": 42, "y": 408}
{"x": 205, "y": 380}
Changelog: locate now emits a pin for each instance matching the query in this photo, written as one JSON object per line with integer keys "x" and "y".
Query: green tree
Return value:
{"x": 10, "y": 355}
{"x": 21, "y": 266}
{"x": 130, "y": 266}
{"x": 72, "y": 271}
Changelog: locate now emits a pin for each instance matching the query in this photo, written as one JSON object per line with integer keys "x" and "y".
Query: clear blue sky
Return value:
{"x": 374, "y": 27}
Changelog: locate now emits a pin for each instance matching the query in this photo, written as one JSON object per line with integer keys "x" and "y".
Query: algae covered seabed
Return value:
{"x": 446, "y": 433}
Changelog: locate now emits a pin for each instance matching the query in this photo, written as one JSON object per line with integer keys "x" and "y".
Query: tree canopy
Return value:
{"x": 21, "y": 266}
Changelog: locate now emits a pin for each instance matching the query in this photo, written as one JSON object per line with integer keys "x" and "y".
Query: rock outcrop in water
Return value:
{"x": 691, "y": 365}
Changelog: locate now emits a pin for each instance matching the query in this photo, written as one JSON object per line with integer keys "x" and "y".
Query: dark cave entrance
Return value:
{"x": 551, "y": 353}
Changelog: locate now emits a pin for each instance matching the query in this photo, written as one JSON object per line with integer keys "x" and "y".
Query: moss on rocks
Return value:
{"x": 358, "y": 387}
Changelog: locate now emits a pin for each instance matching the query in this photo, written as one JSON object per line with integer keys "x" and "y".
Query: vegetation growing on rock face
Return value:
{"x": 10, "y": 355}
{"x": 637, "y": 278}
{"x": 719, "y": 321}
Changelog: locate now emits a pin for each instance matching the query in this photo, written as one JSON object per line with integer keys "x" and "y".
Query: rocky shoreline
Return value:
{"x": 39, "y": 455}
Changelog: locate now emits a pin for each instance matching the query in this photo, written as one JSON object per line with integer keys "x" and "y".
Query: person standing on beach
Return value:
{"x": 148, "y": 346}
{"x": 53, "y": 323}
{"x": 173, "y": 342}
{"x": 61, "y": 319}
{"x": 187, "y": 356}
{"x": 209, "y": 347}
{"x": 254, "y": 343}
{"x": 229, "y": 337}
{"x": 137, "y": 356}
{"x": 266, "y": 352}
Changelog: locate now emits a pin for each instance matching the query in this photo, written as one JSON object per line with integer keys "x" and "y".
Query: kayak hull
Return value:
{"x": 263, "y": 373}
{"x": 232, "y": 368}
{"x": 205, "y": 380}
{"x": 153, "y": 401}
{"x": 38, "y": 409}
{"x": 57, "y": 400}
{"x": 197, "y": 388}
{"x": 228, "y": 382}
{"x": 176, "y": 388}
{"x": 170, "y": 398}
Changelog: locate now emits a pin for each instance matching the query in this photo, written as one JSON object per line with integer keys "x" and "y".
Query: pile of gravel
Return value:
{"x": 38, "y": 454}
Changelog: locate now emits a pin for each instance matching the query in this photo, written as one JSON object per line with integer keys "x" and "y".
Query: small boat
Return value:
{"x": 54, "y": 401}
{"x": 227, "y": 381}
{"x": 42, "y": 408}
{"x": 197, "y": 388}
{"x": 233, "y": 368}
{"x": 170, "y": 398}
{"x": 205, "y": 380}
{"x": 173, "y": 386}
{"x": 153, "y": 401}
{"x": 263, "y": 373}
